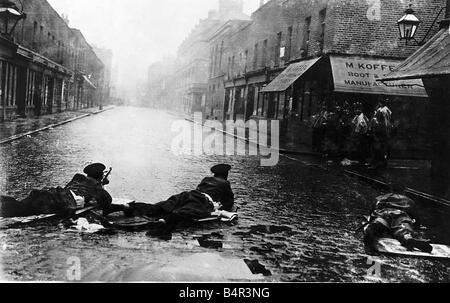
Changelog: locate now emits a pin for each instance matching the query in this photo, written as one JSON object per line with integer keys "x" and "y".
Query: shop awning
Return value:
{"x": 430, "y": 61}
{"x": 289, "y": 76}
{"x": 360, "y": 75}
{"x": 89, "y": 81}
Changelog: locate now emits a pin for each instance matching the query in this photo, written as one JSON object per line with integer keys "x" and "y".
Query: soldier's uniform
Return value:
{"x": 90, "y": 189}
{"x": 395, "y": 215}
{"x": 219, "y": 190}
{"x": 59, "y": 200}
{"x": 192, "y": 205}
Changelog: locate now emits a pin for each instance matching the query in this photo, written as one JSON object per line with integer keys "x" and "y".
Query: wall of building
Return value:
{"x": 44, "y": 72}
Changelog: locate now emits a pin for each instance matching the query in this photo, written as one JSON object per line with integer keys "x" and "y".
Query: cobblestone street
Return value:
{"x": 296, "y": 222}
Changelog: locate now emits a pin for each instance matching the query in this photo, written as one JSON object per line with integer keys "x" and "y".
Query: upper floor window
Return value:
{"x": 255, "y": 57}
{"x": 288, "y": 44}
{"x": 245, "y": 60}
{"x": 278, "y": 48}
{"x": 264, "y": 53}
{"x": 322, "y": 18}
{"x": 306, "y": 36}
{"x": 35, "y": 28}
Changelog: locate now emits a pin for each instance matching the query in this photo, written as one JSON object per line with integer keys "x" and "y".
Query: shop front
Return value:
{"x": 339, "y": 85}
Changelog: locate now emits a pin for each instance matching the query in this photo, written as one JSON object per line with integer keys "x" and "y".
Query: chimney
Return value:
{"x": 261, "y": 3}
{"x": 65, "y": 17}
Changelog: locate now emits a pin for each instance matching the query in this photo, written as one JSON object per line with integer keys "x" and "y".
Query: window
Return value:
{"x": 289, "y": 44}
{"x": 232, "y": 66}
{"x": 35, "y": 29}
{"x": 264, "y": 55}
{"x": 220, "y": 57}
{"x": 216, "y": 49}
{"x": 306, "y": 37}
{"x": 211, "y": 67}
{"x": 255, "y": 57}
{"x": 246, "y": 60}
{"x": 41, "y": 36}
{"x": 241, "y": 65}
{"x": 322, "y": 17}
{"x": 278, "y": 48}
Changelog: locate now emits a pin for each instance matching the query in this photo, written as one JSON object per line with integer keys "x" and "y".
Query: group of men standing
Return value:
{"x": 344, "y": 133}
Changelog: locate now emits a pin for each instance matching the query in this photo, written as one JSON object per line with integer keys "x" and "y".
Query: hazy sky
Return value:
{"x": 139, "y": 32}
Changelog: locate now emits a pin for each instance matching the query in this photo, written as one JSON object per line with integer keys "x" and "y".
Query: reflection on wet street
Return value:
{"x": 296, "y": 222}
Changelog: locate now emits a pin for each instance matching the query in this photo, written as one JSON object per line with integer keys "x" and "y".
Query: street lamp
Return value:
{"x": 10, "y": 15}
{"x": 408, "y": 25}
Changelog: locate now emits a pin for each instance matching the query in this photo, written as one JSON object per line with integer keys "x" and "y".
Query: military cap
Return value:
{"x": 94, "y": 169}
{"x": 221, "y": 169}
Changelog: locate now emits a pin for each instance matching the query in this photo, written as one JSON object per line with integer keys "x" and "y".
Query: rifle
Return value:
{"x": 105, "y": 178}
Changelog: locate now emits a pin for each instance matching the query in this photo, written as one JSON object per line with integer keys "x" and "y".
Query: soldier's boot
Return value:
{"x": 421, "y": 244}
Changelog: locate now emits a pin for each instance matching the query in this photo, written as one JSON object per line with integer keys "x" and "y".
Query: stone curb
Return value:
{"x": 17, "y": 137}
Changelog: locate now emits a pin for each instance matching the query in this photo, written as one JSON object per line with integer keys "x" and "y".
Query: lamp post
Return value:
{"x": 408, "y": 25}
{"x": 10, "y": 15}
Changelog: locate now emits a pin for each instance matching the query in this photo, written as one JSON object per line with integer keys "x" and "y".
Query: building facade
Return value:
{"x": 297, "y": 57}
{"x": 186, "y": 87}
{"x": 47, "y": 66}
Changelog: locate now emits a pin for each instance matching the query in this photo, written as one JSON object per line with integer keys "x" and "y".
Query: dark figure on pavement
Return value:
{"x": 396, "y": 216}
{"x": 80, "y": 192}
{"x": 381, "y": 127}
{"x": 191, "y": 205}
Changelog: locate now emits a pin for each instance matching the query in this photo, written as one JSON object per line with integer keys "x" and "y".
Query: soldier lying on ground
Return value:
{"x": 395, "y": 215}
{"x": 80, "y": 192}
{"x": 191, "y": 205}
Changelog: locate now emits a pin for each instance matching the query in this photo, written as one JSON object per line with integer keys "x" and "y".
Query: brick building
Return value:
{"x": 47, "y": 66}
{"x": 296, "y": 56}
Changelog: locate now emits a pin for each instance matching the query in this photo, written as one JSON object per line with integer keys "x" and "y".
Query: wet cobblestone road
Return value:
{"x": 296, "y": 221}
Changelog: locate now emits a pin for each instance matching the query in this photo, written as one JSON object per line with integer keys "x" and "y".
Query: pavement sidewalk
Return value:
{"x": 18, "y": 128}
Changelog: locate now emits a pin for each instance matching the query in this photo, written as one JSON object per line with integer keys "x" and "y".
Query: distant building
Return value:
{"x": 186, "y": 86}
{"x": 106, "y": 56}
{"x": 48, "y": 67}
